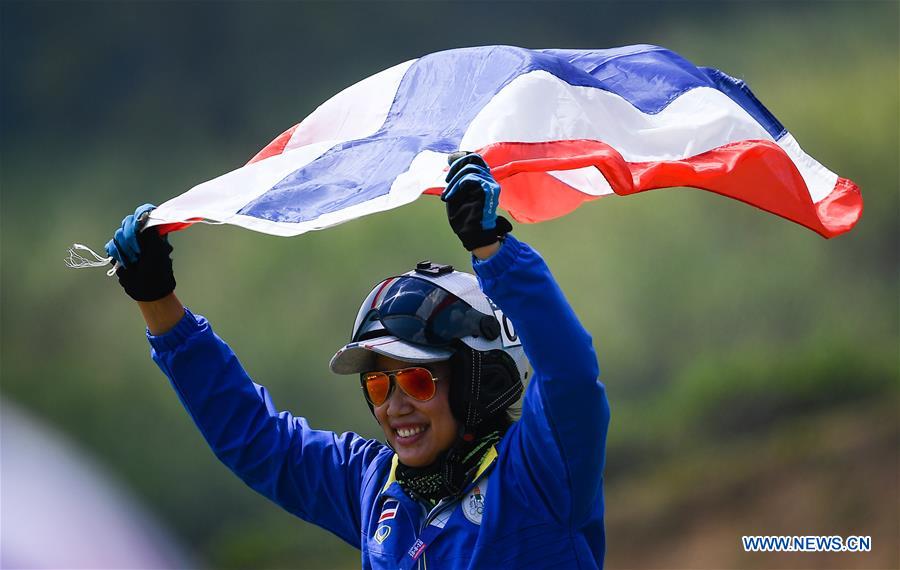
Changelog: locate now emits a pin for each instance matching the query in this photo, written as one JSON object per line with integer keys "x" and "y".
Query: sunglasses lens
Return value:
{"x": 377, "y": 386}
{"x": 417, "y": 382}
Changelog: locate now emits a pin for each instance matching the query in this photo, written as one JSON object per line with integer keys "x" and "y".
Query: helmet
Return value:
{"x": 434, "y": 313}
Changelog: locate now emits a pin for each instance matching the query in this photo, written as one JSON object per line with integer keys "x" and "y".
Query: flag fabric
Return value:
{"x": 558, "y": 127}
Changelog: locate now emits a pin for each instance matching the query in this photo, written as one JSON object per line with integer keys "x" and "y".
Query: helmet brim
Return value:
{"x": 357, "y": 357}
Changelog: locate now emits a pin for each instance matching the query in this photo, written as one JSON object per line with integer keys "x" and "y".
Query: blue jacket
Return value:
{"x": 537, "y": 501}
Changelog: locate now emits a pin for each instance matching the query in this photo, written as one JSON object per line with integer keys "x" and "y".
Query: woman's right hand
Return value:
{"x": 144, "y": 266}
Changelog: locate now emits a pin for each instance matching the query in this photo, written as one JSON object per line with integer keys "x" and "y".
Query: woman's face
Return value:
{"x": 429, "y": 427}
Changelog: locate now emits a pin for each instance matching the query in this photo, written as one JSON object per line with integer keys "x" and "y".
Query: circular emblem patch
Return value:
{"x": 473, "y": 503}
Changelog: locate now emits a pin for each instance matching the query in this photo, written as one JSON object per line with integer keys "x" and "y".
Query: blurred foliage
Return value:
{"x": 718, "y": 327}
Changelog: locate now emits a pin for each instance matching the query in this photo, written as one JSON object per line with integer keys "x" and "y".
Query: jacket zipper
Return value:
{"x": 438, "y": 509}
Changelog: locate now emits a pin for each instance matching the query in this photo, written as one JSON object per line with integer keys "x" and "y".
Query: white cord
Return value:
{"x": 75, "y": 260}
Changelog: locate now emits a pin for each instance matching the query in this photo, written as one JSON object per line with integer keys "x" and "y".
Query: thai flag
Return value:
{"x": 558, "y": 128}
{"x": 389, "y": 510}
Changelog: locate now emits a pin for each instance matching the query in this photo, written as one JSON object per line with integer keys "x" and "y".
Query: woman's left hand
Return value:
{"x": 472, "y": 196}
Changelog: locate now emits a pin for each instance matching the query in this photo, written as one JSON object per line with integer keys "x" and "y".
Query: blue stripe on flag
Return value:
{"x": 441, "y": 94}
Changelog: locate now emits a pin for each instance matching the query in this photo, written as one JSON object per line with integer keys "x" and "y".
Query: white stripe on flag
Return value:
{"x": 220, "y": 199}
{"x": 539, "y": 107}
{"x": 588, "y": 180}
{"x": 234, "y": 190}
{"x": 355, "y": 113}
{"x": 819, "y": 179}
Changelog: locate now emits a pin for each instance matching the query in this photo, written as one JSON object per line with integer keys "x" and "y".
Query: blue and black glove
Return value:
{"x": 145, "y": 267}
{"x": 472, "y": 196}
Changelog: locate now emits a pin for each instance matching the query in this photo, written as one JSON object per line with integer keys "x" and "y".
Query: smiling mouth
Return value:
{"x": 408, "y": 433}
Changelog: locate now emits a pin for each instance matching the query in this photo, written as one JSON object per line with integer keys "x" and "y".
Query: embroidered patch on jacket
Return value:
{"x": 389, "y": 510}
{"x": 416, "y": 549}
{"x": 381, "y": 533}
{"x": 473, "y": 503}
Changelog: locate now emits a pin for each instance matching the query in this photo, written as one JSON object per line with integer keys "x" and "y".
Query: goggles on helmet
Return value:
{"x": 420, "y": 312}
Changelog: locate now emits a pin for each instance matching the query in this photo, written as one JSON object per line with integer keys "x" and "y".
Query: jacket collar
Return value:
{"x": 392, "y": 488}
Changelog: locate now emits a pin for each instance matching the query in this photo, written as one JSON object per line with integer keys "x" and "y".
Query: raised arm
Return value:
{"x": 163, "y": 314}
{"x": 565, "y": 414}
{"x": 562, "y": 432}
{"x": 316, "y": 475}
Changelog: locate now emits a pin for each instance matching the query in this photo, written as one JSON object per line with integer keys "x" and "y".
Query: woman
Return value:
{"x": 457, "y": 483}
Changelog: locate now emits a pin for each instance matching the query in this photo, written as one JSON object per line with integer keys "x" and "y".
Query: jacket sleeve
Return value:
{"x": 565, "y": 413}
{"x": 316, "y": 475}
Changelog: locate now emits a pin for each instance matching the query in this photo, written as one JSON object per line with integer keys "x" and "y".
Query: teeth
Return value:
{"x": 409, "y": 432}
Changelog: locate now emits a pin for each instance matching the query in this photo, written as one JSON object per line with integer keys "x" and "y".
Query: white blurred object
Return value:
{"x": 58, "y": 509}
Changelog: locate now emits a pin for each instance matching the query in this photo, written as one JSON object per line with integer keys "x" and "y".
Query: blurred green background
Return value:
{"x": 752, "y": 366}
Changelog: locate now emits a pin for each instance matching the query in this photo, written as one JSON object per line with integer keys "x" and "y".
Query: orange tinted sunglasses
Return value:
{"x": 418, "y": 383}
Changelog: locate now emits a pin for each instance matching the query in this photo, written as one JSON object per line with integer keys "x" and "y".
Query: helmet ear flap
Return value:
{"x": 463, "y": 367}
{"x": 484, "y": 385}
{"x": 501, "y": 383}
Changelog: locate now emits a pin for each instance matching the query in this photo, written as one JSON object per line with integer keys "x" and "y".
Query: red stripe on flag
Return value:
{"x": 842, "y": 208}
{"x": 276, "y": 146}
{"x": 759, "y": 173}
{"x": 164, "y": 229}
